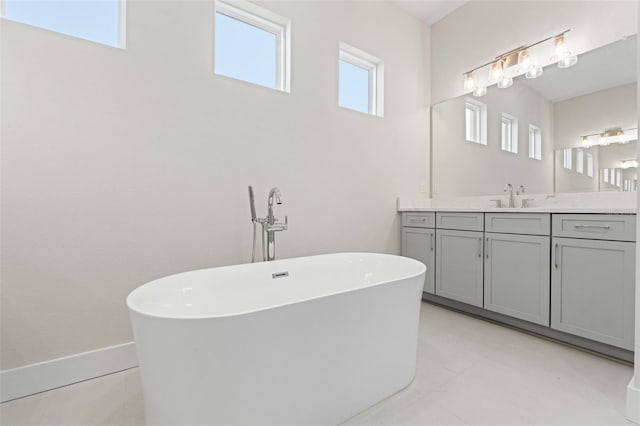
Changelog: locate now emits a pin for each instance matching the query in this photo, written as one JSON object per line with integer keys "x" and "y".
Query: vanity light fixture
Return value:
{"x": 629, "y": 164}
{"x": 610, "y": 136}
{"x": 518, "y": 61}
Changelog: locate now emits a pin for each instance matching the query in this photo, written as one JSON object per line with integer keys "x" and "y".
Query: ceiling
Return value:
{"x": 429, "y": 11}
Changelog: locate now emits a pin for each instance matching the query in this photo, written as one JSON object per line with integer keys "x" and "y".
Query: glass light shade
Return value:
{"x": 560, "y": 49}
{"x": 505, "y": 82}
{"x": 568, "y": 61}
{"x": 496, "y": 73}
{"x": 534, "y": 72}
{"x": 469, "y": 81}
{"x": 480, "y": 91}
{"x": 524, "y": 61}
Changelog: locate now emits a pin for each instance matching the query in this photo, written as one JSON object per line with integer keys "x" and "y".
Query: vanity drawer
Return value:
{"x": 460, "y": 221}
{"x": 595, "y": 226}
{"x": 518, "y": 223}
{"x": 419, "y": 219}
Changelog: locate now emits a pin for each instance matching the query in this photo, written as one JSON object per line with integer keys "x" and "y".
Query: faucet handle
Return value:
{"x": 286, "y": 220}
{"x": 498, "y": 203}
{"x": 520, "y": 190}
{"x": 525, "y": 202}
{"x": 508, "y": 187}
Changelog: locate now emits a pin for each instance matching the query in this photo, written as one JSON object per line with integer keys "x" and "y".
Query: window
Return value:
{"x": 252, "y": 44}
{"x": 579, "y": 161}
{"x": 360, "y": 81}
{"x": 590, "y": 165}
{"x": 509, "y": 133}
{"x": 605, "y": 175}
{"x": 566, "y": 158}
{"x": 99, "y": 21}
{"x": 535, "y": 142}
{"x": 618, "y": 178}
{"x": 475, "y": 121}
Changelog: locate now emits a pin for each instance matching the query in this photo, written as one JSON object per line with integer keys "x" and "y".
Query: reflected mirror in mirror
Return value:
{"x": 557, "y": 133}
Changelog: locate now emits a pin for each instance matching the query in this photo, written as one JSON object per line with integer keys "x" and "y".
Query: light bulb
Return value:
{"x": 505, "y": 82}
{"x": 469, "y": 81}
{"x": 496, "y": 71}
{"x": 534, "y": 72}
{"x": 568, "y": 61}
{"x": 480, "y": 91}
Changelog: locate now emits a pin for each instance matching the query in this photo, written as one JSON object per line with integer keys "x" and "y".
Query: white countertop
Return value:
{"x": 595, "y": 202}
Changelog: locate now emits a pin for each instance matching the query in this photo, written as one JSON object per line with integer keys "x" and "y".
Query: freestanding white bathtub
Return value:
{"x": 249, "y": 344}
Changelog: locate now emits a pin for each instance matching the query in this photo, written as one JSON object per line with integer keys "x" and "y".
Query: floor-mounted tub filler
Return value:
{"x": 311, "y": 340}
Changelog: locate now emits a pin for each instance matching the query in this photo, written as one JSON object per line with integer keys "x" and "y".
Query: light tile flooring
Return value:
{"x": 470, "y": 372}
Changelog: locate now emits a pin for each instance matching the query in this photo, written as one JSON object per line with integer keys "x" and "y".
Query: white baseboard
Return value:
{"x": 47, "y": 375}
{"x": 633, "y": 402}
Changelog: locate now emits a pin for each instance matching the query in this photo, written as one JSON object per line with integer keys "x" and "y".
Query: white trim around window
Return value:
{"x": 266, "y": 20}
{"x": 375, "y": 67}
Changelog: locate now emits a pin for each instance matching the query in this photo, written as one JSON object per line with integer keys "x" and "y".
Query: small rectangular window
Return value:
{"x": 475, "y": 121}
{"x": 252, "y": 45}
{"x": 535, "y": 142}
{"x": 509, "y": 132}
{"x": 618, "y": 178}
{"x": 566, "y": 158}
{"x": 605, "y": 175}
{"x": 98, "y": 21}
{"x": 579, "y": 161}
{"x": 590, "y": 165}
{"x": 360, "y": 81}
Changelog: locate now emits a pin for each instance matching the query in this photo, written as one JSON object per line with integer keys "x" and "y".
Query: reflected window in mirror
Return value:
{"x": 618, "y": 178}
{"x": 579, "y": 161}
{"x": 535, "y": 142}
{"x": 566, "y": 158}
{"x": 590, "y": 165}
{"x": 476, "y": 121}
{"x": 605, "y": 175}
{"x": 509, "y": 133}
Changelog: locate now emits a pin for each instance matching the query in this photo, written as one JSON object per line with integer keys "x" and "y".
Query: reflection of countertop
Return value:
{"x": 595, "y": 202}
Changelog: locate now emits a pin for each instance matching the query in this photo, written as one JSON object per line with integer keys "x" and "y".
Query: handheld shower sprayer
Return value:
{"x": 254, "y": 220}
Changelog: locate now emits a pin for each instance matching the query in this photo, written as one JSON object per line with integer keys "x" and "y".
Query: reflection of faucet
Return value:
{"x": 520, "y": 190}
{"x": 509, "y": 188}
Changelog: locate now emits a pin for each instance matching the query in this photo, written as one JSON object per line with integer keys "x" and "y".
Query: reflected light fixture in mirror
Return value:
{"x": 629, "y": 164}
{"x": 610, "y": 136}
{"x": 518, "y": 61}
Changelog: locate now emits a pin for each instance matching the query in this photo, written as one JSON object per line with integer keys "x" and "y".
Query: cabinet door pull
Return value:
{"x": 592, "y": 226}
{"x": 486, "y": 247}
{"x": 431, "y": 239}
{"x": 480, "y": 247}
{"x": 556, "y": 253}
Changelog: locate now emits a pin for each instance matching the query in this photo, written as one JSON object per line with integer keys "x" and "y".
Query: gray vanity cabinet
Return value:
{"x": 459, "y": 264}
{"x": 516, "y": 276}
{"x": 592, "y": 289}
{"x": 418, "y": 242}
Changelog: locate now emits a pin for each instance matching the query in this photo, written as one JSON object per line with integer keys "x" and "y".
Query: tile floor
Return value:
{"x": 470, "y": 372}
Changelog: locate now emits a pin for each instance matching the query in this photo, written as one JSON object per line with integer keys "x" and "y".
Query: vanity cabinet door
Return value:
{"x": 592, "y": 289}
{"x": 459, "y": 265}
{"x": 419, "y": 244}
{"x": 516, "y": 276}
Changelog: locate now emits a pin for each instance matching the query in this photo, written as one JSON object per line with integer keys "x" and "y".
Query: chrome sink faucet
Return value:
{"x": 509, "y": 189}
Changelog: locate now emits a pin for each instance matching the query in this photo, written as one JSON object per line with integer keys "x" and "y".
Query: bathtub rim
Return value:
{"x": 137, "y": 311}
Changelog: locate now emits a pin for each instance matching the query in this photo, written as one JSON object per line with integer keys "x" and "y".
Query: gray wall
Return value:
{"x": 121, "y": 166}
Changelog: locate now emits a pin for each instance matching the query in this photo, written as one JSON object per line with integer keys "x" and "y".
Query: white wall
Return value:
{"x": 121, "y": 166}
{"x": 463, "y": 168}
{"x": 482, "y": 29}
